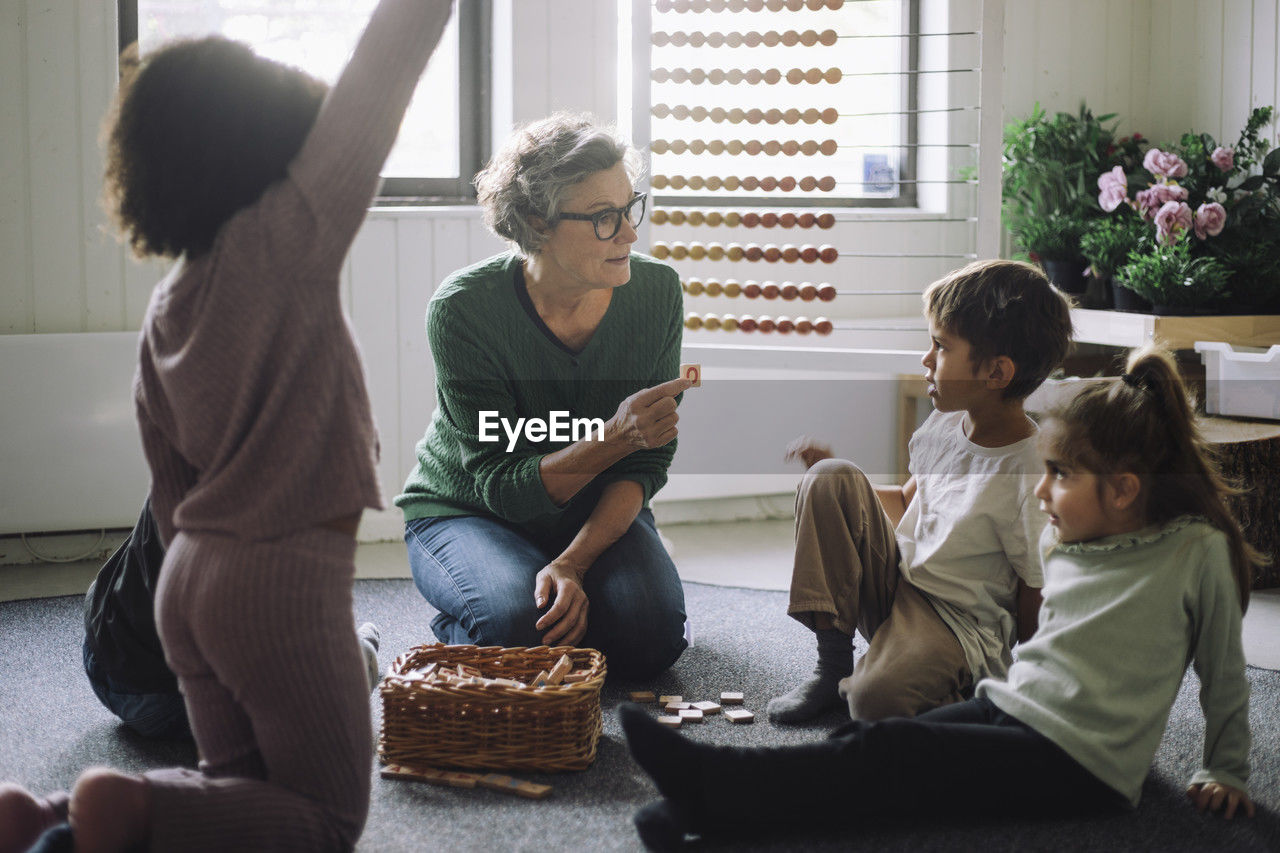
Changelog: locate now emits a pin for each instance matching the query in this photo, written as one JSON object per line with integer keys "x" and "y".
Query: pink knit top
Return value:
{"x": 250, "y": 393}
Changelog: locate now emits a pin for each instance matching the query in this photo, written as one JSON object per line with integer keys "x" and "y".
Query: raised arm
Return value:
{"x": 337, "y": 170}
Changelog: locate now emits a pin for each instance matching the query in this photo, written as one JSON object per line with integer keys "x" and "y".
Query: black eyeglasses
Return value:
{"x": 608, "y": 222}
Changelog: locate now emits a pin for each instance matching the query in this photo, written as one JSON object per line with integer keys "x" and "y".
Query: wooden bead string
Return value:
{"x": 749, "y": 219}
{"x": 749, "y": 183}
{"x": 719, "y": 115}
{"x": 752, "y": 76}
{"x": 769, "y": 38}
{"x": 789, "y": 291}
{"x": 762, "y": 323}
{"x": 753, "y": 147}
{"x": 752, "y": 252}
{"x": 699, "y": 6}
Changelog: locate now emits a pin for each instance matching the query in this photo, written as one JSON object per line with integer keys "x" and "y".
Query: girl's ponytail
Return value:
{"x": 1195, "y": 483}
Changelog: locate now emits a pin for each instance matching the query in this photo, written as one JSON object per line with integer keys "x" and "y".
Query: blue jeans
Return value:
{"x": 479, "y": 573}
{"x": 156, "y": 715}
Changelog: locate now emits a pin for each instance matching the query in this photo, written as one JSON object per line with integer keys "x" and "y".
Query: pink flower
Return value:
{"x": 1151, "y": 199}
{"x": 1114, "y": 189}
{"x": 1173, "y": 219}
{"x": 1210, "y": 220}
{"x": 1115, "y": 176}
{"x": 1164, "y": 163}
{"x": 1223, "y": 158}
{"x": 1112, "y": 196}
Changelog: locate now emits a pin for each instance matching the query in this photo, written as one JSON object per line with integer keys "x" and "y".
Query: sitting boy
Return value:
{"x": 941, "y": 573}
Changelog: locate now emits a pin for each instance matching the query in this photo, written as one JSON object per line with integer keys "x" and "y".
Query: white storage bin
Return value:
{"x": 1241, "y": 384}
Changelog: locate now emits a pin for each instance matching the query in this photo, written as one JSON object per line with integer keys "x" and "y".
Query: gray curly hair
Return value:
{"x": 530, "y": 175}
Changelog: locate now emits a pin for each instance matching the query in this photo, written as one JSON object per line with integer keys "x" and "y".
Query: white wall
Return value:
{"x": 1165, "y": 65}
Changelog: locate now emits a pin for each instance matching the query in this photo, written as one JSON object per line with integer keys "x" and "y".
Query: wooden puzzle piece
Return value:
{"x": 672, "y": 707}
{"x": 670, "y": 721}
{"x": 539, "y": 680}
{"x": 739, "y": 715}
{"x": 431, "y": 775}
{"x": 663, "y": 700}
{"x": 644, "y": 697}
{"x": 707, "y": 707}
{"x": 693, "y": 372}
{"x": 690, "y": 715}
{"x": 560, "y": 670}
{"x": 512, "y": 785}
{"x": 730, "y": 698}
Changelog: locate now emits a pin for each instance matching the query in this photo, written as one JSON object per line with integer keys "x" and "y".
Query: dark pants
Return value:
{"x": 156, "y": 715}
{"x": 968, "y": 759}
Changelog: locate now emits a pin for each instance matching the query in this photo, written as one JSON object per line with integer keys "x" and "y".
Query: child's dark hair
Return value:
{"x": 1144, "y": 423}
{"x": 197, "y": 132}
{"x": 1005, "y": 308}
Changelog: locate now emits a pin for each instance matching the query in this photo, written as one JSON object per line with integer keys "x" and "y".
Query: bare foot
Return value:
{"x": 23, "y": 816}
{"x": 110, "y": 811}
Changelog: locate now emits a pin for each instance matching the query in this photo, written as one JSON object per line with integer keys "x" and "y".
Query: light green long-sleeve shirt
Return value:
{"x": 492, "y": 356}
{"x": 1122, "y": 619}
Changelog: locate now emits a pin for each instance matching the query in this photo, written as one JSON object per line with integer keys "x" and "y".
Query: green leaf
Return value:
{"x": 1271, "y": 165}
{"x": 1252, "y": 183}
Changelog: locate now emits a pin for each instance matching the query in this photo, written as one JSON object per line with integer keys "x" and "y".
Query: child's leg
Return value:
{"x": 976, "y": 760}
{"x": 262, "y": 639}
{"x": 915, "y": 663}
{"x": 844, "y": 577}
{"x": 152, "y": 715}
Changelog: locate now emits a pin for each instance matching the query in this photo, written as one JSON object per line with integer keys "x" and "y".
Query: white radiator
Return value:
{"x": 70, "y": 458}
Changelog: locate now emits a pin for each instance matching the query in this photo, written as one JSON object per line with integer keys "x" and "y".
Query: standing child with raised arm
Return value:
{"x": 257, "y": 428}
{"x": 1146, "y": 572}
{"x": 941, "y": 575}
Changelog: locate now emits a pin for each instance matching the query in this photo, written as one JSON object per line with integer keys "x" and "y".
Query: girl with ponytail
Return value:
{"x": 1146, "y": 573}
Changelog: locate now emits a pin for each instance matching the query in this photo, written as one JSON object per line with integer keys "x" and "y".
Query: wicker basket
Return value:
{"x": 434, "y": 723}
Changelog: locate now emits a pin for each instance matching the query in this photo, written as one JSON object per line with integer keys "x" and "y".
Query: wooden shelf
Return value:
{"x": 1122, "y": 329}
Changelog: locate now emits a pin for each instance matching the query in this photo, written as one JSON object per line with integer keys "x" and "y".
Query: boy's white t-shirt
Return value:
{"x": 970, "y": 532}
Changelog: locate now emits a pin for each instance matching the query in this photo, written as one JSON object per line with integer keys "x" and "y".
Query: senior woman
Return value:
{"x": 525, "y": 525}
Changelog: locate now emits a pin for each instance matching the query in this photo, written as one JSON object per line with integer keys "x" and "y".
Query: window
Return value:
{"x": 444, "y": 137}
{"x": 829, "y": 85}
{"x": 834, "y": 142}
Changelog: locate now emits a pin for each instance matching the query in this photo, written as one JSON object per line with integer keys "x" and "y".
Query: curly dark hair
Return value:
{"x": 197, "y": 132}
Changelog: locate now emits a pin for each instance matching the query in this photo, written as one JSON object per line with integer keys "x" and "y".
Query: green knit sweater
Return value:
{"x": 493, "y": 355}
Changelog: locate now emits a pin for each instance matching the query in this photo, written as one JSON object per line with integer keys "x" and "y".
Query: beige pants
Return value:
{"x": 846, "y": 565}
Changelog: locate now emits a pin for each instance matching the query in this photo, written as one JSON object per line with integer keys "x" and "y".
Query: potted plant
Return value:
{"x": 1174, "y": 280}
{"x": 1050, "y": 167}
{"x": 1106, "y": 245}
{"x": 1223, "y": 203}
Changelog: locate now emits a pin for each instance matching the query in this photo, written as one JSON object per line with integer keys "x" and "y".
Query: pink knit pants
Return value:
{"x": 261, "y": 637}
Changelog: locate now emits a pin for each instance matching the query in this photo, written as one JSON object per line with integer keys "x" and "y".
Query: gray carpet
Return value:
{"x": 51, "y": 726}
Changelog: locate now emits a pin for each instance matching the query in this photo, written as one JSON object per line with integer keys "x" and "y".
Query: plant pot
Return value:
{"x": 1099, "y": 293}
{"x": 1068, "y": 276}
{"x": 1124, "y": 299}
